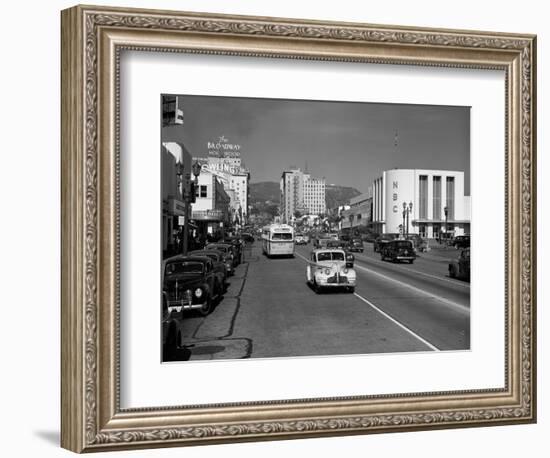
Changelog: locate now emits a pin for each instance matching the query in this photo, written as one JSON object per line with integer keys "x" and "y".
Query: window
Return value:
{"x": 423, "y": 197}
{"x": 437, "y": 198}
{"x": 203, "y": 190}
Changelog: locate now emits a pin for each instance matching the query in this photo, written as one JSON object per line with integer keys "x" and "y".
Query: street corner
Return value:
{"x": 234, "y": 348}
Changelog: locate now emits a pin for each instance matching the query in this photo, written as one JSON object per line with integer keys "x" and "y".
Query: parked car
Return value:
{"x": 461, "y": 267}
{"x": 370, "y": 237}
{"x": 398, "y": 250}
{"x": 225, "y": 258}
{"x": 218, "y": 262}
{"x": 228, "y": 248}
{"x": 420, "y": 244}
{"x": 356, "y": 244}
{"x": 238, "y": 244}
{"x": 247, "y": 237}
{"x": 382, "y": 239}
{"x": 171, "y": 337}
{"x": 461, "y": 241}
{"x": 328, "y": 268}
{"x": 189, "y": 283}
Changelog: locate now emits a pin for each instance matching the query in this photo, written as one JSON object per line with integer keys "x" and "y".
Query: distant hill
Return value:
{"x": 339, "y": 195}
{"x": 265, "y": 191}
{"x": 269, "y": 191}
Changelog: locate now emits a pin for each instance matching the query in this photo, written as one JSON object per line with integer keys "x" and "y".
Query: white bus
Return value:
{"x": 278, "y": 240}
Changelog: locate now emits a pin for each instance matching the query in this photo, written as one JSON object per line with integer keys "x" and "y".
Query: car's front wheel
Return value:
{"x": 316, "y": 287}
{"x": 205, "y": 309}
{"x": 452, "y": 272}
{"x": 351, "y": 289}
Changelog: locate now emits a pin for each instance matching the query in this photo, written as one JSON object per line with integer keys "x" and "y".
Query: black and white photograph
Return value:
{"x": 313, "y": 228}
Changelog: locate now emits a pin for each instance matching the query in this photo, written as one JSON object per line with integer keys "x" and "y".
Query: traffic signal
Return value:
{"x": 192, "y": 192}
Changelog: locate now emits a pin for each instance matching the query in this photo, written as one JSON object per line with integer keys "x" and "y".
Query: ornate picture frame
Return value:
{"x": 92, "y": 40}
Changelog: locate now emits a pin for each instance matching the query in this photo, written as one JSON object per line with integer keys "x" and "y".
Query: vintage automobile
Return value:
{"x": 329, "y": 268}
{"x": 171, "y": 337}
{"x": 398, "y": 250}
{"x": 420, "y": 244}
{"x": 225, "y": 258}
{"x": 342, "y": 245}
{"x": 301, "y": 239}
{"x": 219, "y": 263}
{"x": 461, "y": 267}
{"x": 238, "y": 245}
{"x": 383, "y": 239}
{"x": 356, "y": 244}
{"x": 228, "y": 248}
{"x": 461, "y": 241}
{"x": 247, "y": 237}
{"x": 370, "y": 237}
{"x": 321, "y": 242}
{"x": 189, "y": 283}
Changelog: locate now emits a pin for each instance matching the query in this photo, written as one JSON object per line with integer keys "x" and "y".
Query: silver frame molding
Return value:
{"x": 92, "y": 40}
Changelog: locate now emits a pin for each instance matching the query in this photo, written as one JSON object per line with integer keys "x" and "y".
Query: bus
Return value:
{"x": 278, "y": 240}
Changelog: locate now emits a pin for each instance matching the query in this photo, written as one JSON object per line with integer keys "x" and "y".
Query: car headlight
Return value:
{"x": 327, "y": 271}
{"x": 198, "y": 292}
{"x": 345, "y": 271}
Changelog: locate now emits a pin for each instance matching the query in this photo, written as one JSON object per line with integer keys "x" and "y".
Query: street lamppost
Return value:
{"x": 404, "y": 213}
{"x": 446, "y": 210}
{"x": 407, "y": 210}
{"x": 188, "y": 197}
{"x": 179, "y": 174}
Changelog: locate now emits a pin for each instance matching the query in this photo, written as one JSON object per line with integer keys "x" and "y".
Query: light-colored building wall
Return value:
{"x": 403, "y": 186}
{"x": 358, "y": 213}
{"x": 175, "y": 159}
{"x": 301, "y": 192}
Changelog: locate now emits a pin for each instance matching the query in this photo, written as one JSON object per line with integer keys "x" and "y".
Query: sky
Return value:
{"x": 348, "y": 143}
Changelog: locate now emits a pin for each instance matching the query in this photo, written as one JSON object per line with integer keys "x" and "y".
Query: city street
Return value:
{"x": 269, "y": 310}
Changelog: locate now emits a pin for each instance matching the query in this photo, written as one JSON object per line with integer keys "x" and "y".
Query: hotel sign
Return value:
{"x": 223, "y": 148}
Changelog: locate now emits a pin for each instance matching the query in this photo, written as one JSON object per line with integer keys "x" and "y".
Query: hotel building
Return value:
{"x": 300, "y": 192}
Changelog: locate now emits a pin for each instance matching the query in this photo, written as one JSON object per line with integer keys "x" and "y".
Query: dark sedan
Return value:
{"x": 189, "y": 283}
{"x": 228, "y": 248}
{"x": 356, "y": 244}
{"x": 219, "y": 263}
{"x": 461, "y": 241}
{"x": 398, "y": 250}
{"x": 382, "y": 239}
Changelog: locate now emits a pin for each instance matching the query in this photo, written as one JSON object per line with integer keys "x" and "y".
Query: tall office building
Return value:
{"x": 300, "y": 192}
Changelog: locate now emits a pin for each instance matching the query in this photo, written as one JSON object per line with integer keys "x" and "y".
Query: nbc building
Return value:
{"x": 437, "y": 197}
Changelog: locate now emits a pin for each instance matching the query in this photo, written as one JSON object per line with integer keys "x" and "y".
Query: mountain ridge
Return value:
{"x": 269, "y": 192}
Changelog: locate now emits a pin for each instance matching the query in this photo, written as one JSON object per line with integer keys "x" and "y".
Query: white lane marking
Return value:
{"x": 393, "y": 320}
{"x": 402, "y": 326}
{"x": 453, "y": 282}
{"x": 459, "y": 307}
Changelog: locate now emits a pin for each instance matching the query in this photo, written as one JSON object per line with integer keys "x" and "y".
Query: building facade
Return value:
{"x": 357, "y": 214}
{"x": 176, "y": 172}
{"x": 211, "y": 210}
{"x": 301, "y": 194}
{"x": 224, "y": 161}
{"x": 420, "y": 201}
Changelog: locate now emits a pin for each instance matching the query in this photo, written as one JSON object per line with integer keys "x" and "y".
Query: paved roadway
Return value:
{"x": 269, "y": 311}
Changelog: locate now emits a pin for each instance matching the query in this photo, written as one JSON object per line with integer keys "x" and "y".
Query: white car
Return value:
{"x": 330, "y": 268}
